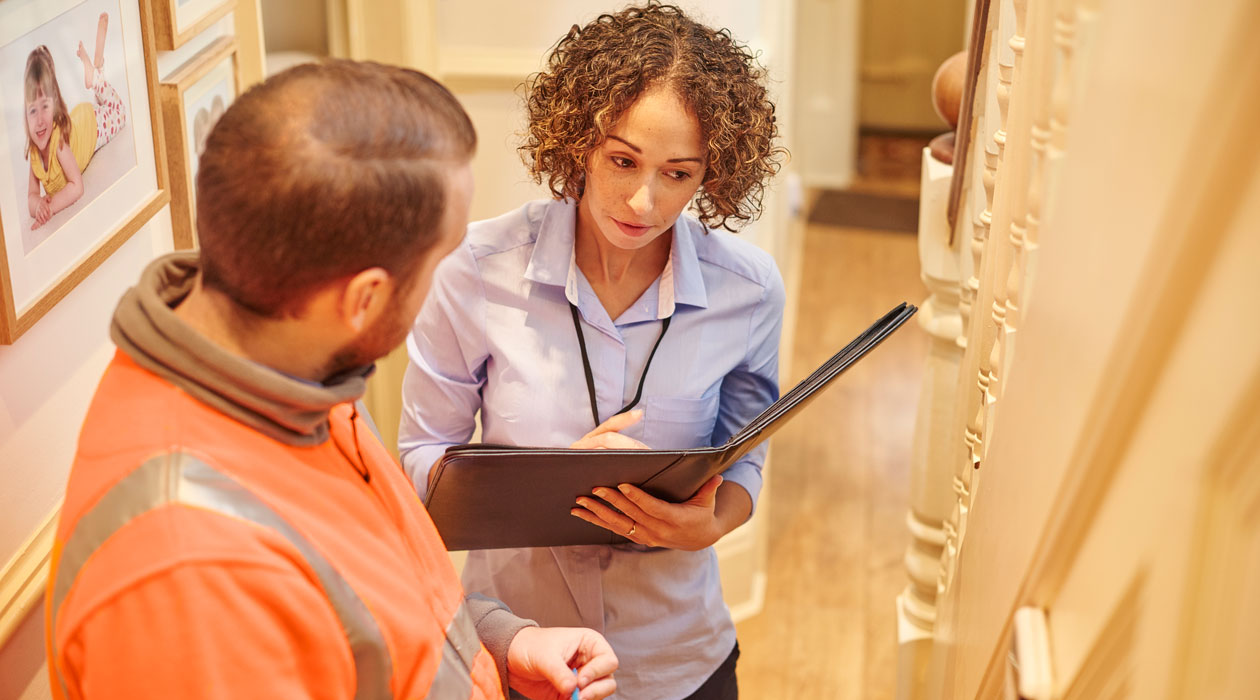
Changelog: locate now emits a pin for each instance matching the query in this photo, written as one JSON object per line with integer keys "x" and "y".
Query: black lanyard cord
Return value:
{"x": 590, "y": 378}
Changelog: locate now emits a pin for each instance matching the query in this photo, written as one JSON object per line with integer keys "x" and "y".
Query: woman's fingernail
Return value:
{"x": 624, "y": 488}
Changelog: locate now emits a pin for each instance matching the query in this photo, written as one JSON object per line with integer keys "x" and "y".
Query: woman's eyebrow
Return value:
{"x": 631, "y": 146}
{"x": 636, "y": 149}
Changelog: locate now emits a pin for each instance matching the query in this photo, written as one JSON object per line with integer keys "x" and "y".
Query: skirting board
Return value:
{"x": 750, "y": 607}
{"x": 23, "y": 578}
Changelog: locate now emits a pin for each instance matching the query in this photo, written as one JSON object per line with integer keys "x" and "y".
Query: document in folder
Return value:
{"x": 493, "y": 496}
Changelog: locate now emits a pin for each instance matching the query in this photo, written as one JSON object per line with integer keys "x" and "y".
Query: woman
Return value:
{"x": 562, "y": 313}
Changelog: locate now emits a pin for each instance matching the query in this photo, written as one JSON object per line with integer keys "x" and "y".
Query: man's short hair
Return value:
{"x": 321, "y": 172}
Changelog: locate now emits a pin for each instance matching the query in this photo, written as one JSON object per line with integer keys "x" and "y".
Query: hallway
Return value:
{"x": 838, "y": 491}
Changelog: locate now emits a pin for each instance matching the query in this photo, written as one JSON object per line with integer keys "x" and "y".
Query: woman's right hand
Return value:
{"x": 608, "y": 435}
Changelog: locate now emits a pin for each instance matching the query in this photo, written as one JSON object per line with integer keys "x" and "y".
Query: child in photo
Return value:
{"x": 61, "y": 142}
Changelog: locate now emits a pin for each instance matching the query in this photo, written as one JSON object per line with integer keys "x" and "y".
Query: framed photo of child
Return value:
{"x": 193, "y": 97}
{"x": 81, "y": 143}
{"x": 177, "y": 21}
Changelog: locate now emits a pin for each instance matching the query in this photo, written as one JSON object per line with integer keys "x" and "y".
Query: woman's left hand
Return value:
{"x": 691, "y": 525}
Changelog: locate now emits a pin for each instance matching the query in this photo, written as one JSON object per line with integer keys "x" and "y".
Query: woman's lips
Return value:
{"x": 632, "y": 230}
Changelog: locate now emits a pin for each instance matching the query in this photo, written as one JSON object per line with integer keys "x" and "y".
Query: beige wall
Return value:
{"x": 47, "y": 379}
{"x": 826, "y": 87}
{"x": 296, "y": 25}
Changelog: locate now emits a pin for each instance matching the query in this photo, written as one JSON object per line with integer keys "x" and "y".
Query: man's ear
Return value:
{"x": 365, "y": 297}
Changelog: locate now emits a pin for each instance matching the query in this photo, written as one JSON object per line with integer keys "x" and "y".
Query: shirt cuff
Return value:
{"x": 496, "y": 627}
{"x": 747, "y": 474}
{"x": 418, "y": 462}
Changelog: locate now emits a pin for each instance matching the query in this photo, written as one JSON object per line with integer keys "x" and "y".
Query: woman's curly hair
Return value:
{"x": 595, "y": 73}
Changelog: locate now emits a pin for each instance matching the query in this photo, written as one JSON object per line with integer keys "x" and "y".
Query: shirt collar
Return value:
{"x": 688, "y": 280}
{"x": 554, "y": 262}
{"x": 553, "y": 246}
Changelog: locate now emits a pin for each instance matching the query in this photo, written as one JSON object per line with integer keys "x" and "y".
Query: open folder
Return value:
{"x": 491, "y": 496}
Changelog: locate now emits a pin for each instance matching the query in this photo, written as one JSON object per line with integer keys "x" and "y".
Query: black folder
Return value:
{"x": 491, "y": 496}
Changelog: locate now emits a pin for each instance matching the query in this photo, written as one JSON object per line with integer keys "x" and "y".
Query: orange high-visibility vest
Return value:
{"x": 197, "y": 557}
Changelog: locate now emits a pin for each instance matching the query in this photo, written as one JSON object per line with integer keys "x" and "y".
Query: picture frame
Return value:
{"x": 121, "y": 184}
{"x": 177, "y": 21}
{"x": 192, "y": 98}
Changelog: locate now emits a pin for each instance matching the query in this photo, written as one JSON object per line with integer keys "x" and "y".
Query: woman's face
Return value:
{"x": 644, "y": 173}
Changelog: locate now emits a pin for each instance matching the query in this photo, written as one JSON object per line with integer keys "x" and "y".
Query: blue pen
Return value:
{"x": 575, "y": 689}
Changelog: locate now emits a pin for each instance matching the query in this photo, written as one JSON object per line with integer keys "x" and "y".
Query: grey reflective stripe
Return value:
{"x": 182, "y": 479}
{"x": 361, "y": 408}
{"x": 454, "y": 675}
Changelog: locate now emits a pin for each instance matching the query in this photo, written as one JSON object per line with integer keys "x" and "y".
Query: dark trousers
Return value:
{"x": 721, "y": 685}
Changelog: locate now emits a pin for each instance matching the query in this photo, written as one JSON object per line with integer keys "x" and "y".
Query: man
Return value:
{"x": 232, "y": 527}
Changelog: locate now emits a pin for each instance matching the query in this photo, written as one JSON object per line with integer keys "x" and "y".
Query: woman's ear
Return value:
{"x": 365, "y": 297}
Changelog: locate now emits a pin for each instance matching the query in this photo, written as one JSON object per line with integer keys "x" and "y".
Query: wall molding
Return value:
{"x": 23, "y": 577}
{"x": 466, "y": 66}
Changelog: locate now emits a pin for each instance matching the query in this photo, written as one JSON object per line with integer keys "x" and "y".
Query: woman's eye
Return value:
{"x": 621, "y": 162}
{"x": 680, "y": 175}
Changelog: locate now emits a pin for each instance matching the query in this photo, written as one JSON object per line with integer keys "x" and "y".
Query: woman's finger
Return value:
{"x": 617, "y": 423}
{"x": 628, "y": 507}
{"x": 604, "y": 512}
{"x": 617, "y": 441}
{"x": 707, "y": 494}
{"x": 645, "y": 503}
{"x": 608, "y": 441}
{"x": 584, "y": 513}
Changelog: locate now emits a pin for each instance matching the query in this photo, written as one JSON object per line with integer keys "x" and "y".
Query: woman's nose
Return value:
{"x": 641, "y": 200}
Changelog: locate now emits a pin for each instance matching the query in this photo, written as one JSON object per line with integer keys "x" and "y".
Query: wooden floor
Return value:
{"x": 839, "y": 488}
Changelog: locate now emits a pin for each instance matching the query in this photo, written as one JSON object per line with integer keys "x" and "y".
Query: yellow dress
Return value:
{"x": 82, "y": 144}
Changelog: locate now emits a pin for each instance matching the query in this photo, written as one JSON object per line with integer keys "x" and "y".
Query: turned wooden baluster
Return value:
{"x": 977, "y": 338}
{"x": 1009, "y": 211}
{"x": 1041, "y": 78}
{"x": 1031, "y": 47}
{"x": 960, "y": 482}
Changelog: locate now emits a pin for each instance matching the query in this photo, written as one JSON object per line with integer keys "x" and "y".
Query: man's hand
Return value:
{"x": 541, "y": 662}
{"x": 608, "y": 435}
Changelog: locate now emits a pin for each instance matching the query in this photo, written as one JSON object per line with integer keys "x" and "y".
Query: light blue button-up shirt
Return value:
{"x": 496, "y": 335}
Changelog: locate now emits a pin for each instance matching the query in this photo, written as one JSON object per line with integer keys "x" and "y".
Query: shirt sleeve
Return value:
{"x": 211, "y": 632}
{"x": 446, "y": 367}
{"x": 752, "y": 386}
{"x": 496, "y": 627}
